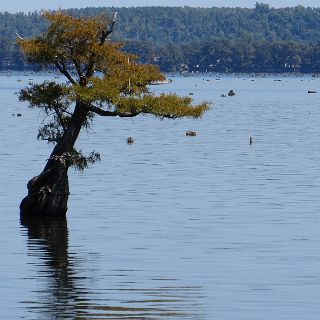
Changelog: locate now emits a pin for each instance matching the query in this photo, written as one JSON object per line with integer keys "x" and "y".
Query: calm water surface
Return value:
{"x": 172, "y": 227}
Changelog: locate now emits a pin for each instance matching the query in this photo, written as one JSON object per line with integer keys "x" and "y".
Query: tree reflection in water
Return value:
{"x": 63, "y": 294}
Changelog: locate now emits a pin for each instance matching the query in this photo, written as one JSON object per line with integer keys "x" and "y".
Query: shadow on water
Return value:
{"x": 62, "y": 293}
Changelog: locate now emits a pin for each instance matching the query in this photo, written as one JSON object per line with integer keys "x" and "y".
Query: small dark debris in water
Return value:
{"x": 19, "y": 114}
{"x": 130, "y": 140}
{"x": 19, "y": 80}
{"x": 250, "y": 141}
{"x": 190, "y": 93}
{"x": 231, "y": 93}
{"x": 191, "y": 133}
{"x": 311, "y": 91}
{"x": 223, "y": 96}
{"x": 13, "y": 114}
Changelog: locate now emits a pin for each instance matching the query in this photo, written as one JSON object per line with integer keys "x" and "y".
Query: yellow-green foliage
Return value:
{"x": 100, "y": 75}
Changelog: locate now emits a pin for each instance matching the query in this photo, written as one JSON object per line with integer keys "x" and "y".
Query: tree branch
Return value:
{"x": 103, "y": 37}
{"x": 50, "y": 139}
{"x": 66, "y": 111}
{"x": 105, "y": 33}
{"x": 77, "y": 66}
{"x": 60, "y": 118}
{"x": 64, "y": 71}
{"x": 90, "y": 67}
{"x": 106, "y": 113}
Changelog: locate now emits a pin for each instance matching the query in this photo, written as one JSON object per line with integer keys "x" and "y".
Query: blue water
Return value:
{"x": 172, "y": 227}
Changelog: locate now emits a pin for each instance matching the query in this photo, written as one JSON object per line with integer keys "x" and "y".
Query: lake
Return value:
{"x": 172, "y": 227}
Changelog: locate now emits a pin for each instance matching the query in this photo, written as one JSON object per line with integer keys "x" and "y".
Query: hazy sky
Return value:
{"x": 32, "y": 5}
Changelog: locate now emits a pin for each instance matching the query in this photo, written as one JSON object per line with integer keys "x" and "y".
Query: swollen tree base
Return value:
{"x": 48, "y": 193}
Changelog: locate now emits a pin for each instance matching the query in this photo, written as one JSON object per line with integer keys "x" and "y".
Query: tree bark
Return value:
{"x": 48, "y": 193}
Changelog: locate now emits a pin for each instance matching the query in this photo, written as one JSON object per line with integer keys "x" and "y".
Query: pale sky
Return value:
{"x": 32, "y": 5}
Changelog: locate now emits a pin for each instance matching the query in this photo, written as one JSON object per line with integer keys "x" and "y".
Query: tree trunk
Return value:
{"x": 48, "y": 193}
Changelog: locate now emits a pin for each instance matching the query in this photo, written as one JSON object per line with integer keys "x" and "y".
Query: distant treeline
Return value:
{"x": 261, "y": 39}
{"x": 224, "y": 55}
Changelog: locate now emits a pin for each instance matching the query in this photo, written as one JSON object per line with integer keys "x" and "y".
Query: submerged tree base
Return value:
{"x": 48, "y": 193}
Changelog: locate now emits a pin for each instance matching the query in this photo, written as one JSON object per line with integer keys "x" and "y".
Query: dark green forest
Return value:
{"x": 262, "y": 39}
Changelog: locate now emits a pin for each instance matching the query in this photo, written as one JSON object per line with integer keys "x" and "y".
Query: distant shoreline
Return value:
{"x": 170, "y": 75}
{"x": 188, "y": 39}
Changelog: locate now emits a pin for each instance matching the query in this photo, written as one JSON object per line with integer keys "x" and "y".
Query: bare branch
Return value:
{"x": 19, "y": 37}
{"x": 105, "y": 33}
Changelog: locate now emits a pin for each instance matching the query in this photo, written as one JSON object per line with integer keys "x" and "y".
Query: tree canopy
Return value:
{"x": 106, "y": 80}
{"x": 102, "y": 80}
